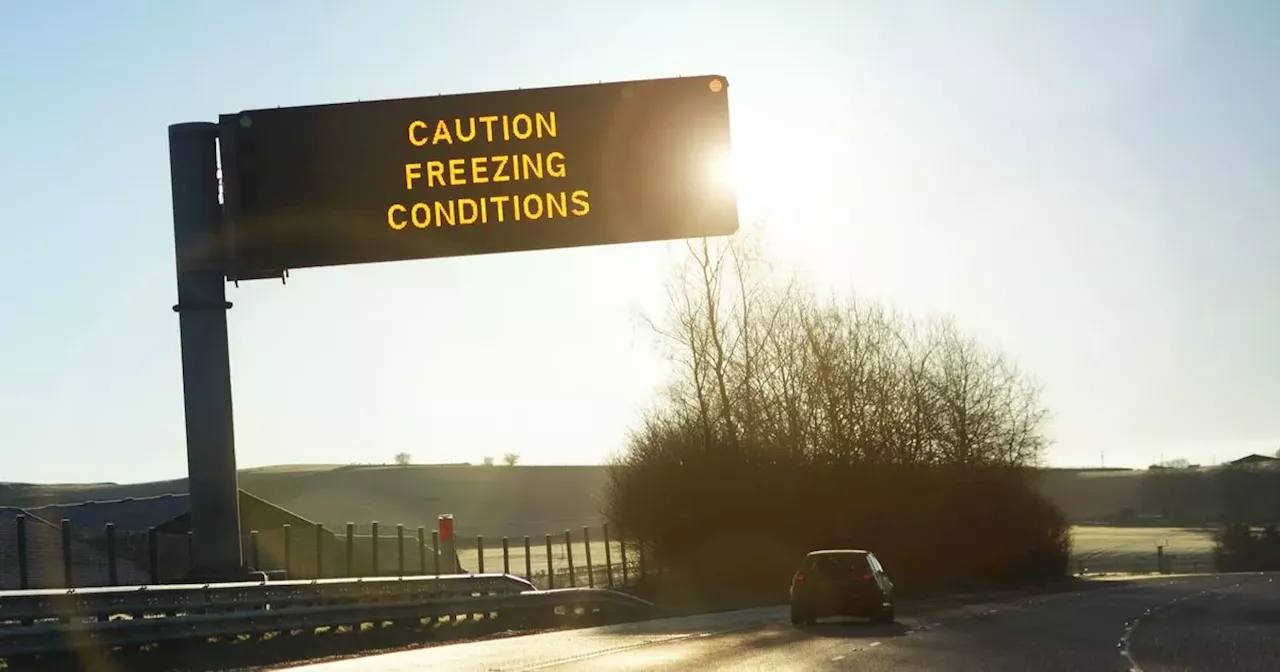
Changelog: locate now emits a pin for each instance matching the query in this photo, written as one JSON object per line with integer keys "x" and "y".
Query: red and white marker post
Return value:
{"x": 448, "y": 551}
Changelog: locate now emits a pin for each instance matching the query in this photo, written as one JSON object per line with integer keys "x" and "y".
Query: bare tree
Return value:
{"x": 404, "y": 459}
{"x": 488, "y": 461}
{"x": 510, "y": 459}
{"x": 765, "y": 366}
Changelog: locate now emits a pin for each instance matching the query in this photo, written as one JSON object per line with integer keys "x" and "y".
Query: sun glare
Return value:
{"x": 722, "y": 171}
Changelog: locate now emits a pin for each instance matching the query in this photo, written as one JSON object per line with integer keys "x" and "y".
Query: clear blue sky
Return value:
{"x": 1092, "y": 186}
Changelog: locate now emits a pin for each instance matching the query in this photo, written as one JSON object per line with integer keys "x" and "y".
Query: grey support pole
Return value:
{"x": 206, "y": 359}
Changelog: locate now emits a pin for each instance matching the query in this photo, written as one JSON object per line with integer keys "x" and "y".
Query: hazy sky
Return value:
{"x": 1092, "y": 186}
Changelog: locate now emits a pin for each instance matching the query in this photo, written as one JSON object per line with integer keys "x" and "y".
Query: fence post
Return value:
{"x": 608, "y": 554}
{"x": 351, "y": 550}
{"x": 191, "y": 551}
{"x": 640, "y": 568}
{"x": 68, "y": 578}
{"x": 373, "y": 537}
{"x": 528, "y": 562}
{"x": 480, "y": 554}
{"x": 24, "y": 576}
{"x": 319, "y": 550}
{"x": 551, "y": 567}
{"x": 254, "y": 555}
{"x": 568, "y": 550}
{"x": 435, "y": 550}
{"x": 622, "y": 548}
{"x": 288, "y": 551}
{"x": 113, "y": 571}
{"x": 586, "y": 542}
{"x": 506, "y": 557}
{"x": 422, "y": 551}
{"x": 153, "y": 554}
{"x": 400, "y": 550}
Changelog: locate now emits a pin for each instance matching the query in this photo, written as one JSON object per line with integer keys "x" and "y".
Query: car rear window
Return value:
{"x": 831, "y": 564}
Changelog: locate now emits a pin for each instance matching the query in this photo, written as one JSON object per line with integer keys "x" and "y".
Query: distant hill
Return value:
{"x": 488, "y": 500}
{"x": 1086, "y": 495}
{"x": 496, "y": 500}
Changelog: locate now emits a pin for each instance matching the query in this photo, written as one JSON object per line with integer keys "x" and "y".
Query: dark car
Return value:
{"x": 841, "y": 583}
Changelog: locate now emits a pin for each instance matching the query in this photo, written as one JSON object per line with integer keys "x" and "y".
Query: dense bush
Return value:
{"x": 797, "y": 424}
{"x": 1239, "y": 549}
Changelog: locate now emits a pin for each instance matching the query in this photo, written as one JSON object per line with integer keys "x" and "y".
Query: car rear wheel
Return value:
{"x": 800, "y": 616}
{"x": 884, "y": 615}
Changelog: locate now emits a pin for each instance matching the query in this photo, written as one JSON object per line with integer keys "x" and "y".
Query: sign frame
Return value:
{"x": 628, "y": 186}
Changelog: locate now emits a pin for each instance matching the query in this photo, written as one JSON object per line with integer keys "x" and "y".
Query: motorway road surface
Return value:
{"x": 1224, "y": 622}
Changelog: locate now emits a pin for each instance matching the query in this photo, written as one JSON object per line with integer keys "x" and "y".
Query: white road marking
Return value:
{"x": 1133, "y": 624}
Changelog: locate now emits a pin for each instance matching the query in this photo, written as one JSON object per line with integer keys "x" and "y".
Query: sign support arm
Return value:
{"x": 206, "y": 360}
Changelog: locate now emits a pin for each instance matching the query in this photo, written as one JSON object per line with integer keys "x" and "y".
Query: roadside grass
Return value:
{"x": 1108, "y": 549}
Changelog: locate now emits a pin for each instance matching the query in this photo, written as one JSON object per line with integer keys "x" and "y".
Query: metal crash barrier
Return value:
{"x": 44, "y": 621}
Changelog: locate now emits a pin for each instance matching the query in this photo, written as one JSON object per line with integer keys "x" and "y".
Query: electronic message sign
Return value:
{"x": 468, "y": 174}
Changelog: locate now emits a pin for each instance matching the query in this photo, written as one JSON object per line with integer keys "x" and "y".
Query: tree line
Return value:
{"x": 1229, "y": 494}
{"x": 796, "y": 421}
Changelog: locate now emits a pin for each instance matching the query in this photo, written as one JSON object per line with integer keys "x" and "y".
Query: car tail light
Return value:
{"x": 798, "y": 577}
{"x": 866, "y": 577}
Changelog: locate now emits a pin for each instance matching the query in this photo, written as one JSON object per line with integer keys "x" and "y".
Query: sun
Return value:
{"x": 720, "y": 173}
{"x": 721, "y": 170}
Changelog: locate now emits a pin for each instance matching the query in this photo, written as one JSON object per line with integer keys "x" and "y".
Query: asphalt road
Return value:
{"x": 1226, "y": 622}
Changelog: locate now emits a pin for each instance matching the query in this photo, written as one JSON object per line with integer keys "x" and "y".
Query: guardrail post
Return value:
{"x": 288, "y": 551}
{"x": 435, "y": 550}
{"x": 191, "y": 552}
{"x": 400, "y": 550}
{"x": 480, "y": 554}
{"x": 113, "y": 569}
{"x": 319, "y": 550}
{"x": 68, "y": 580}
{"x": 586, "y": 542}
{"x": 373, "y": 537}
{"x": 551, "y": 568}
{"x": 24, "y": 575}
{"x": 153, "y": 554}
{"x": 528, "y": 561}
{"x": 622, "y": 549}
{"x": 568, "y": 551}
{"x": 422, "y": 551}
{"x": 608, "y": 554}
{"x": 506, "y": 557}
{"x": 351, "y": 549}
{"x": 254, "y": 556}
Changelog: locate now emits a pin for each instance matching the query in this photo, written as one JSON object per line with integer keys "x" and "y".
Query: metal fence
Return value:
{"x": 35, "y": 554}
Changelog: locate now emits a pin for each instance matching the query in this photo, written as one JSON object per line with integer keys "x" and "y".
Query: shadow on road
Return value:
{"x": 853, "y": 629}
